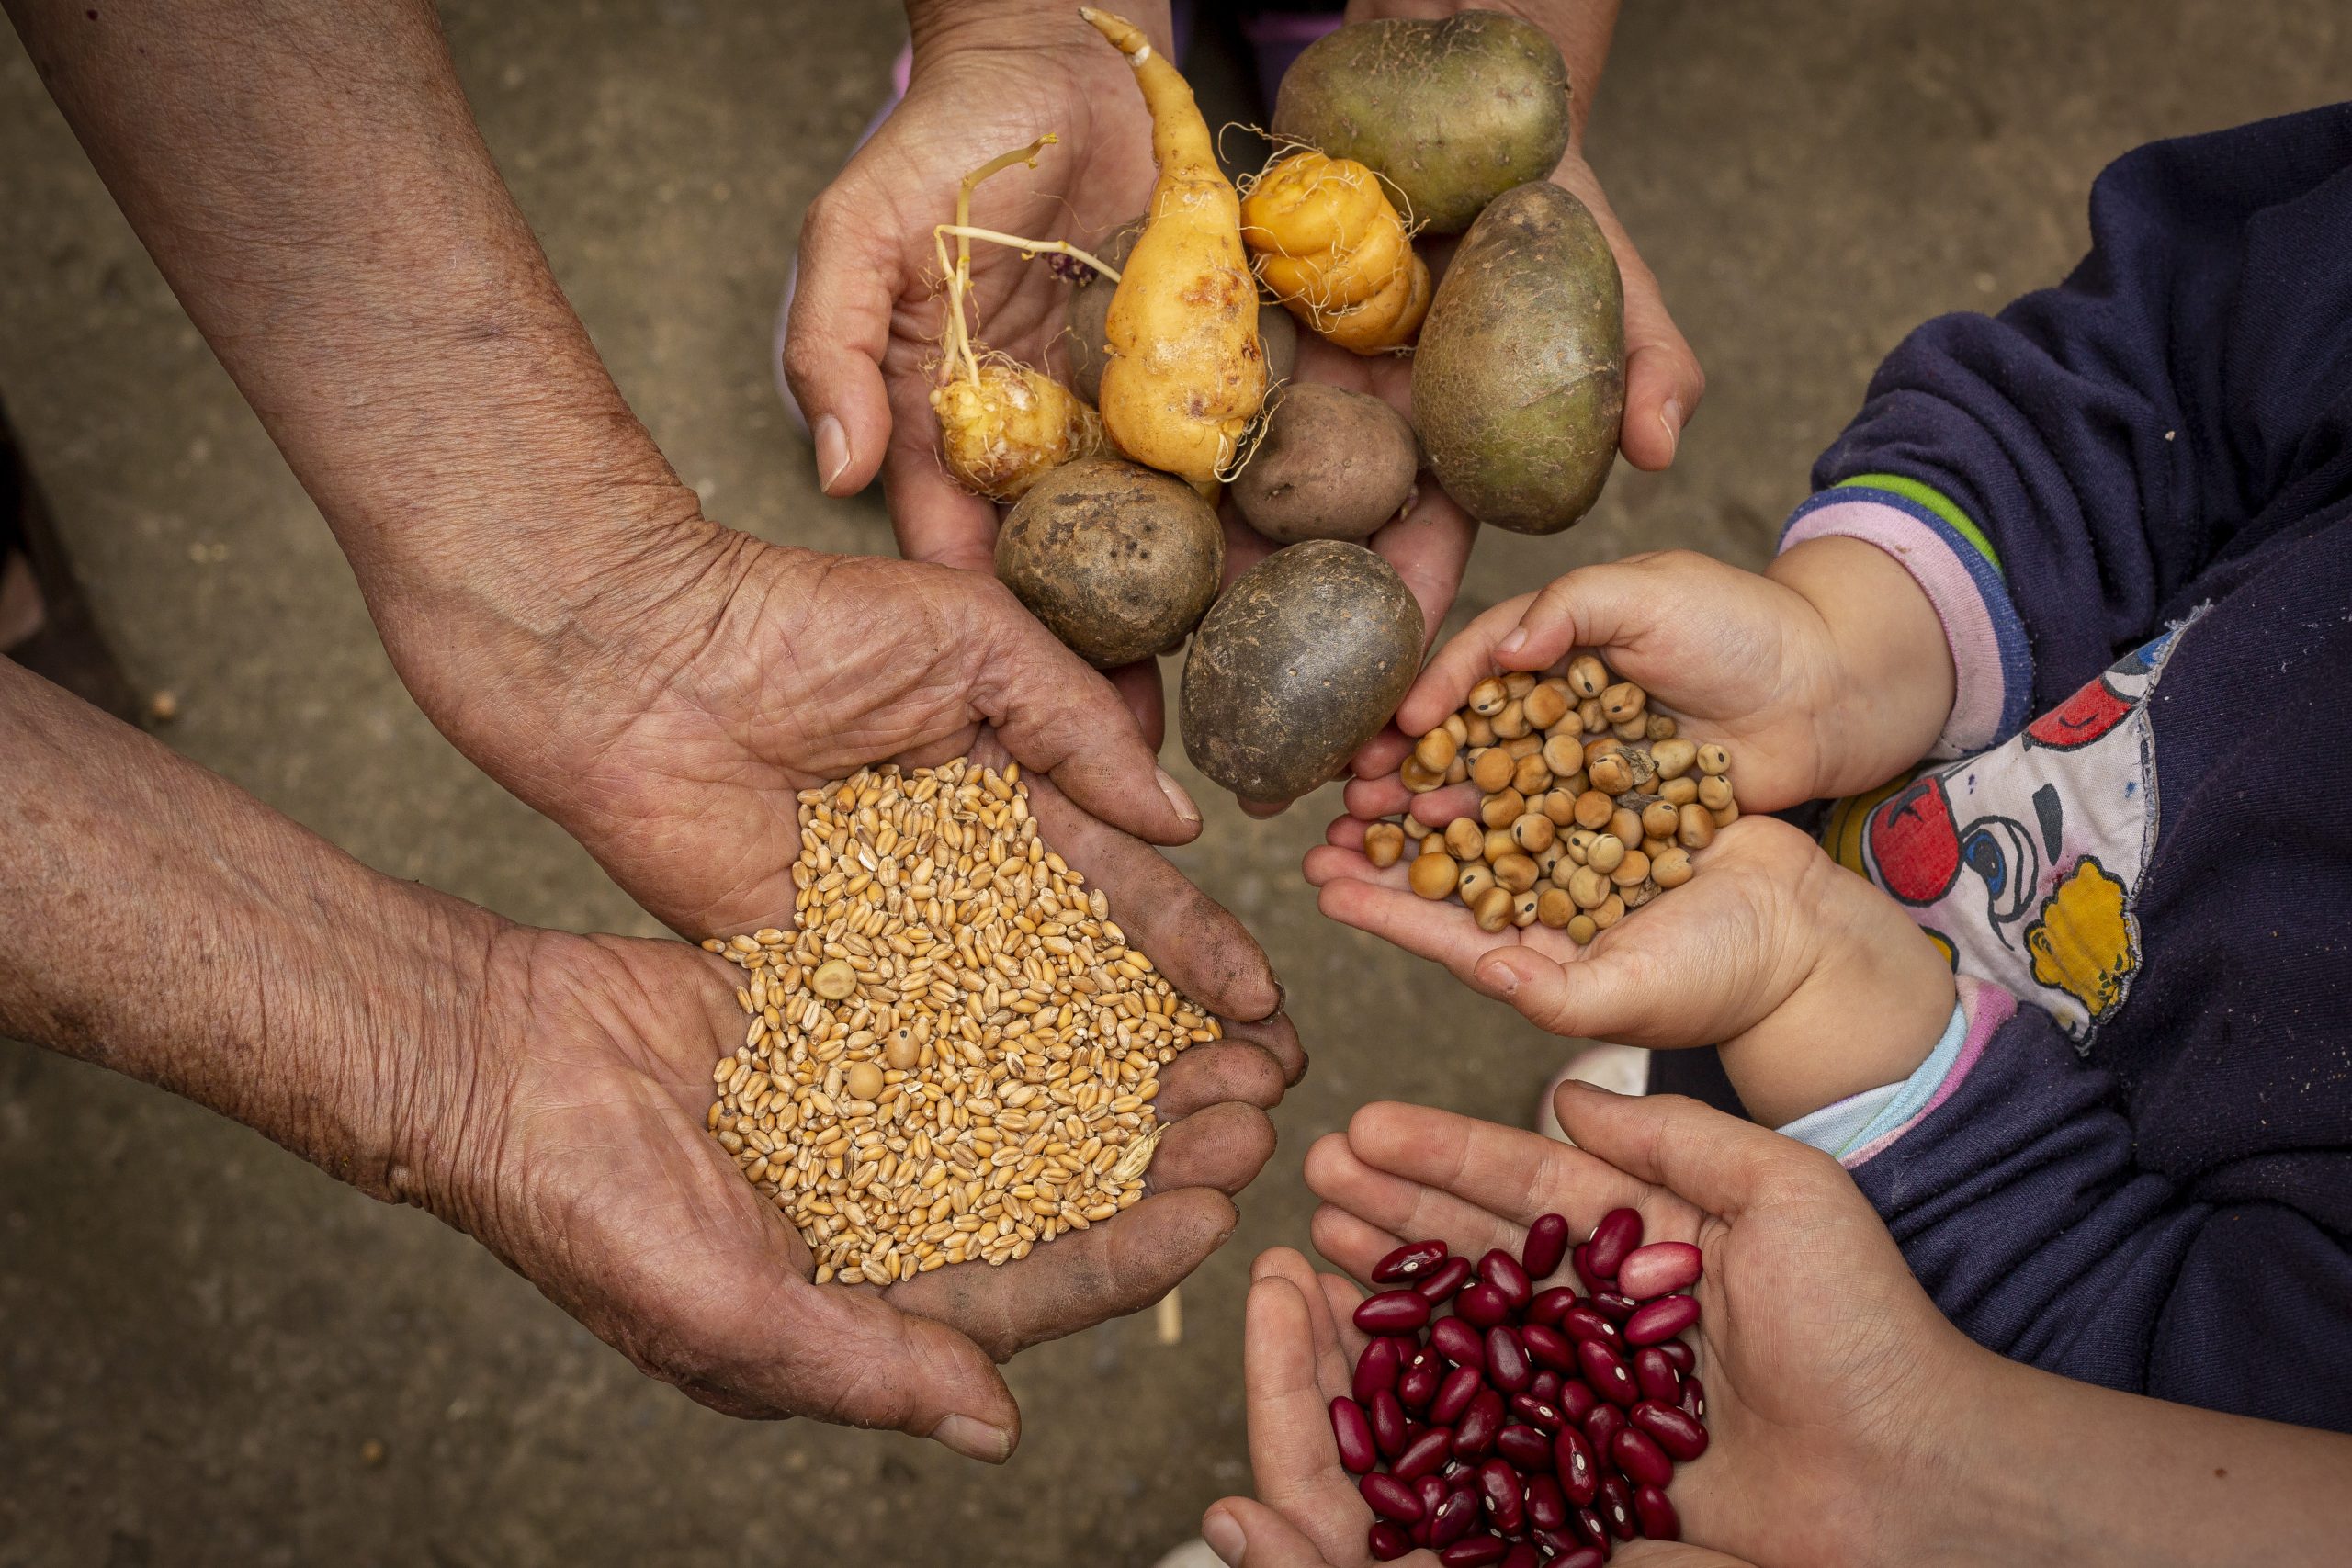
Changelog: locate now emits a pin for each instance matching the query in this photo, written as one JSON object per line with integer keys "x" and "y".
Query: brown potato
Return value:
{"x": 1333, "y": 465}
{"x": 1119, "y": 561}
{"x": 1300, "y": 663}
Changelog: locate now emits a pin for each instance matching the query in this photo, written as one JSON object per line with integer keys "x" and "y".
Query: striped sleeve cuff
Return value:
{"x": 1864, "y": 1125}
{"x": 1955, "y": 566}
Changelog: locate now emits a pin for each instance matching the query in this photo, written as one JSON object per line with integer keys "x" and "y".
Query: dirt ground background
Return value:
{"x": 202, "y": 1341}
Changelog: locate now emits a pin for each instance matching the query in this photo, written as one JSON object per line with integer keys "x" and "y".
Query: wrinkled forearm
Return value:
{"x": 311, "y": 182}
{"x": 162, "y": 923}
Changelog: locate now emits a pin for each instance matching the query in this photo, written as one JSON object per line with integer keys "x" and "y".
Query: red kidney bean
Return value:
{"x": 1454, "y": 1395}
{"x": 1604, "y": 1423}
{"x": 1433, "y": 1494}
{"x": 1523, "y": 1555}
{"x": 1580, "y": 1259}
{"x": 1694, "y": 1399}
{"x": 1453, "y": 1338}
{"x": 1546, "y": 1386}
{"x": 1677, "y": 1434}
{"x": 1606, "y": 1370}
{"x": 1661, "y": 1319}
{"x": 1576, "y": 1400}
{"x": 1548, "y": 1505}
{"x": 1656, "y": 1515}
{"x": 1474, "y": 1551}
{"x": 1482, "y": 1305}
{"x": 1501, "y": 1271}
{"x": 1619, "y": 1231}
{"x": 1386, "y": 1542}
{"x": 1595, "y": 1529}
{"x": 1572, "y": 1462}
{"x": 1424, "y": 1456}
{"x": 1524, "y": 1447}
{"x": 1582, "y": 1322}
{"x": 1410, "y": 1261}
{"x": 1640, "y": 1460}
{"x": 1546, "y": 1243}
{"x": 1388, "y": 1432}
{"x": 1547, "y": 1307}
{"x": 1498, "y": 1491}
{"x": 1548, "y": 1347}
{"x": 1392, "y": 1312}
{"x": 1655, "y": 1371}
{"x": 1541, "y": 1414}
{"x": 1508, "y": 1366}
{"x": 1417, "y": 1387}
{"x": 1453, "y": 1517}
{"x": 1475, "y": 1433}
{"x": 1375, "y": 1369}
{"x": 1391, "y": 1498}
{"x": 1449, "y": 1277}
{"x": 1616, "y": 1506}
{"x": 1354, "y": 1435}
{"x": 1660, "y": 1266}
{"x": 1614, "y": 1306}
{"x": 1558, "y": 1541}
{"x": 1679, "y": 1351}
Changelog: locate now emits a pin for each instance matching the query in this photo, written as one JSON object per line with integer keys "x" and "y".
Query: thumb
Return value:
{"x": 852, "y": 1360}
{"x": 1248, "y": 1534}
{"x": 1595, "y": 606}
{"x": 1057, "y": 717}
{"x": 1721, "y": 1163}
{"x": 1595, "y": 998}
{"x": 835, "y": 335}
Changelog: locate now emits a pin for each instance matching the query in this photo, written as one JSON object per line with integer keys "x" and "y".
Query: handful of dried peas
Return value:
{"x": 954, "y": 1055}
{"x": 1592, "y": 803}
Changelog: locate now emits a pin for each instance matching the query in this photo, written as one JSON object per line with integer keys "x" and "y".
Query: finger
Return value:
{"x": 1504, "y": 1171}
{"x": 1195, "y": 942}
{"x": 1382, "y": 753}
{"x": 849, "y": 278}
{"x": 1719, "y": 1163}
{"x": 1369, "y": 799}
{"x": 1332, "y": 1305}
{"x": 1611, "y": 606}
{"x": 1080, "y": 1279}
{"x": 1610, "y": 994}
{"x": 1442, "y": 931}
{"x": 1292, "y": 1453}
{"x": 1404, "y": 1206}
{"x": 1466, "y": 659}
{"x": 1349, "y": 1241}
{"x": 1663, "y": 380}
{"x": 1221, "y": 1148}
{"x": 1429, "y": 547}
{"x": 1058, "y": 717}
{"x": 935, "y": 519}
{"x": 1276, "y": 1036}
{"x": 1222, "y": 1070}
{"x": 1248, "y": 1534}
{"x": 1138, "y": 687}
{"x": 1345, "y": 860}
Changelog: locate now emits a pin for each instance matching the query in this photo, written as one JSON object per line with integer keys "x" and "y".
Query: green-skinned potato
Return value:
{"x": 1455, "y": 112}
{"x": 1300, "y": 663}
{"x": 1519, "y": 384}
{"x": 1119, "y": 561}
{"x": 1090, "y": 308}
{"x": 1333, "y": 465}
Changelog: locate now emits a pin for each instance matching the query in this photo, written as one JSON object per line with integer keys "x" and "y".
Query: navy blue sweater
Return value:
{"x": 2140, "y": 1174}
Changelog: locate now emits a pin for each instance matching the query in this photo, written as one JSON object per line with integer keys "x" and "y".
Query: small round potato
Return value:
{"x": 1333, "y": 465}
{"x": 1118, "y": 560}
{"x": 1300, "y": 663}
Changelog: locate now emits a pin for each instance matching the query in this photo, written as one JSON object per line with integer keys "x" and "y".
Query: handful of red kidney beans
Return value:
{"x": 1531, "y": 1427}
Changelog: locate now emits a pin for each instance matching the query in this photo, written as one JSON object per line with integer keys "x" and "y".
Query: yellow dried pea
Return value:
{"x": 1384, "y": 843}
{"x": 1432, "y": 876}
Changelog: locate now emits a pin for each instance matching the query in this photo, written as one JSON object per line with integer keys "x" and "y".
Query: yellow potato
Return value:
{"x": 1002, "y": 430}
{"x": 1333, "y": 250}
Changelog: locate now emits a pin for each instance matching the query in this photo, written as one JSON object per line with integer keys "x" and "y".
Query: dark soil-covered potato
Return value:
{"x": 1519, "y": 383}
{"x": 1118, "y": 560}
{"x": 1455, "y": 112}
{"x": 1300, "y": 663}
{"x": 1090, "y": 307}
{"x": 1333, "y": 465}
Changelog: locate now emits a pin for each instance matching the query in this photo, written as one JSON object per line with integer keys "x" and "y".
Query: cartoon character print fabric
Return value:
{"x": 2021, "y": 861}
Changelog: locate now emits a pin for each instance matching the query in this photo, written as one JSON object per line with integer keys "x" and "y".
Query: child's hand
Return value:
{"x": 1814, "y": 982}
{"x": 1826, "y": 676}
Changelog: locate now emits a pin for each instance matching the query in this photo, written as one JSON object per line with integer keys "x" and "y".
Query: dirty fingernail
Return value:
{"x": 833, "y": 450}
{"x": 1223, "y": 1533}
{"x": 974, "y": 1439}
{"x": 1177, "y": 799}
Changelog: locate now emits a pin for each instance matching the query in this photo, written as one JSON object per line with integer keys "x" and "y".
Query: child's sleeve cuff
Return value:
{"x": 1862, "y": 1124}
{"x": 1955, "y": 566}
